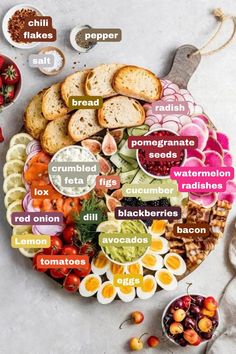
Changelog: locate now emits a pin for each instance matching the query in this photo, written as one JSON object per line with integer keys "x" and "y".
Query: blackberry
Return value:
{"x": 148, "y": 222}
{"x": 154, "y": 203}
{"x": 130, "y": 201}
{"x": 164, "y": 202}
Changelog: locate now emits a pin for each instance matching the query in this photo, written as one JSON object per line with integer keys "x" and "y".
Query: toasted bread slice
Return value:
{"x": 137, "y": 82}
{"x": 74, "y": 85}
{"x": 99, "y": 80}
{"x": 121, "y": 111}
{"x": 84, "y": 124}
{"x": 52, "y": 105}
{"x": 55, "y": 136}
{"x": 34, "y": 121}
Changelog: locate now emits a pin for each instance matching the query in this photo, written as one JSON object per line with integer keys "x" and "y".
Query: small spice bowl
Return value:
{"x": 74, "y": 41}
{"x": 48, "y": 71}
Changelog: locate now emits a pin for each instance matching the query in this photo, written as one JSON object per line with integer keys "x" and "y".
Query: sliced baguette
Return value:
{"x": 137, "y": 82}
{"x": 99, "y": 80}
{"x": 52, "y": 105}
{"x": 121, "y": 111}
{"x": 55, "y": 136}
{"x": 74, "y": 85}
{"x": 34, "y": 121}
{"x": 84, "y": 124}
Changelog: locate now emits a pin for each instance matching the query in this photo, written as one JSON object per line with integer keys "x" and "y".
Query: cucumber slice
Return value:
{"x": 130, "y": 160}
{"x": 120, "y": 163}
{"x": 138, "y": 131}
{"x": 121, "y": 143}
{"x": 125, "y": 151}
{"x": 141, "y": 177}
{"x": 127, "y": 177}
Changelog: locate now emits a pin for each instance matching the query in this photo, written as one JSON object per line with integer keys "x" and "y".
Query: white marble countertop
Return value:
{"x": 37, "y": 316}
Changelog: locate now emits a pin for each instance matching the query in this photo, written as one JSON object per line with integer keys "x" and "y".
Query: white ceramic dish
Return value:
{"x": 73, "y": 33}
{"x": 165, "y": 311}
{"x": 8, "y": 60}
{"x": 6, "y": 19}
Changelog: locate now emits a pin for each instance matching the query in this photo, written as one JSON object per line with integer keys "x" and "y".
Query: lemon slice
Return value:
{"x": 14, "y": 194}
{"x": 29, "y": 252}
{"x": 109, "y": 226}
{"x": 13, "y": 207}
{"x": 22, "y": 230}
{"x": 12, "y": 181}
{"x": 12, "y": 166}
{"x": 21, "y": 138}
{"x": 16, "y": 152}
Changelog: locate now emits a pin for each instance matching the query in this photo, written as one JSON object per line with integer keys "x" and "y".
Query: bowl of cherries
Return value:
{"x": 190, "y": 319}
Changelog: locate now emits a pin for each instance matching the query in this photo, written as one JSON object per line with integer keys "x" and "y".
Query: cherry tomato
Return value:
{"x": 69, "y": 250}
{"x": 59, "y": 273}
{"x": 72, "y": 282}
{"x": 56, "y": 246}
{"x": 83, "y": 272}
{"x": 42, "y": 270}
{"x": 87, "y": 248}
{"x": 68, "y": 234}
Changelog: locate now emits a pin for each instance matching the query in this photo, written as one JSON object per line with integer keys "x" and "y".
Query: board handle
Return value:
{"x": 183, "y": 66}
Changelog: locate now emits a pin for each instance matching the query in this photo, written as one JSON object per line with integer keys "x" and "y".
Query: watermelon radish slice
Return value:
{"x": 213, "y": 159}
{"x": 207, "y": 200}
{"x": 194, "y": 130}
{"x": 229, "y": 197}
{"x": 212, "y": 144}
{"x": 231, "y": 187}
{"x": 223, "y": 140}
{"x": 196, "y": 153}
{"x": 228, "y": 159}
{"x": 185, "y": 120}
{"x": 203, "y": 117}
{"x": 212, "y": 133}
{"x": 201, "y": 124}
{"x": 193, "y": 162}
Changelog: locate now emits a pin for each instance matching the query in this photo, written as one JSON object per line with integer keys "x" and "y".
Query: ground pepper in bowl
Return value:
{"x": 158, "y": 168}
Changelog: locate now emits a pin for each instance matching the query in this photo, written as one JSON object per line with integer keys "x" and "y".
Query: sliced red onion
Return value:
{"x": 48, "y": 229}
{"x": 27, "y": 186}
{"x": 35, "y": 230}
{"x": 29, "y": 157}
{"x": 33, "y": 146}
{"x": 30, "y": 208}
{"x": 26, "y": 201}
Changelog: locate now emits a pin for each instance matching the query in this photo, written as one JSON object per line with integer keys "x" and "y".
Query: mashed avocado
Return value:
{"x": 125, "y": 254}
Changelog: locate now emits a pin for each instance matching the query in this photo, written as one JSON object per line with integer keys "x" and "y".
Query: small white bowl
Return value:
{"x": 8, "y": 60}
{"x": 164, "y": 314}
{"x": 6, "y": 19}
{"x": 73, "y": 34}
{"x": 54, "y": 72}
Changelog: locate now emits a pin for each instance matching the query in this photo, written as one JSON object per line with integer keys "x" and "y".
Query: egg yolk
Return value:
{"x": 158, "y": 226}
{"x": 100, "y": 261}
{"x": 126, "y": 289}
{"x": 91, "y": 284}
{"x": 148, "y": 285}
{"x": 173, "y": 262}
{"x": 108, "y": 291}
{"x": 117, "y": 269}
{"x": 134, "y": 269}
{"x": 165, "y": 278}
{"x": 149, "y": 260}
{"x": 156, "y": 245}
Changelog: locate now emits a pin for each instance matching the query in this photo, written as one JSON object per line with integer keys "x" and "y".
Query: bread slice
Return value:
{"x": 99, "y": 80}
{"x": 137, "y": 82}
{"x": 55, "y": 136}
{"x": 34, "y": 121}
{"x": 84, "y": 124}
{"x": 121, "y": 111}
{"x": 52, "y": 105}
{"x": 74, "y": 85}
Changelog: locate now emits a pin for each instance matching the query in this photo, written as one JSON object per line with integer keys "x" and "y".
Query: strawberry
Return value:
{"x": 10, "y": 75}
{"x": 1, "y": 83}
{"x": 1, "y": 99}
{"x": 9, "y": 93}
{"x": 1, "y": 136}
{"x": 1, "y": 62}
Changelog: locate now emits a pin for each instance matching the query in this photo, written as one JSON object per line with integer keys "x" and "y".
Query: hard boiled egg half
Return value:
{"x": 148, "y": 287}
{"x": 90, "y": 285}
{"x": 126, "y": 293}
{"x": 159, "y": 245}
{"x": 175, "y": 263}
{"x": 106, "y": 293}
{"x": 152, "y": 261}
{"x": 114, "y": 269}
{"x": 166, "y": 280}
{"x": 100, "y": 264}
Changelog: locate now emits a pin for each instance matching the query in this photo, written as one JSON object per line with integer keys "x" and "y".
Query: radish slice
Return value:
{"x": 213, "y": 159}
{"x": 33, "y": 146}
{"x": 194, "y": 130}
{"x": 203, "y": 117}
{"x": 151, "y": 120}
{"x": 212, "y": 133}
{"x": 171, "y": 117}
{"x": 201, "y": 124}
{"x": 193, "y": 162}
{"x": 228, "y": 159}
{"x": 172, "y": 125}
{"x": 155, "y": 126}
{"x": 231, "y": 187}
{"x": 212, "y": 144}
{"x": 49, "y": 229}
{"x": 223, "y": 140}
{"x": 195, "y": 153}
{"x": 207, "y": 200}
{"x": 147, "y": 106}
{"x": 229, "y": 197}
{"x": 26, "y": 201}
{"x": 185, "y": 120}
